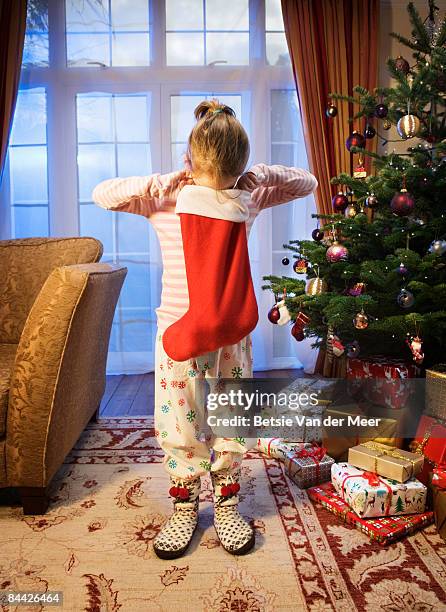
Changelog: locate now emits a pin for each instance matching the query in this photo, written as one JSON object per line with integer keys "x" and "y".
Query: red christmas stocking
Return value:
{"x": 222, "y": 302}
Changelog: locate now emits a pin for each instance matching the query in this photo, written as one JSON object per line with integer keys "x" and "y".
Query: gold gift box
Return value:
{"x": 338, "y": 445}
{"x": 386, "y": 461}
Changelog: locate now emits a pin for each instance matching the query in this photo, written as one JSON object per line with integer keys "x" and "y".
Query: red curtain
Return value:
{"x": 12, "y": 35}
{"x": 333, "y": 46}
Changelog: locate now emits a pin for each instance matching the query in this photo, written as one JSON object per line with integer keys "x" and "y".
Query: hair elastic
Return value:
{"x": 217, "y": 110}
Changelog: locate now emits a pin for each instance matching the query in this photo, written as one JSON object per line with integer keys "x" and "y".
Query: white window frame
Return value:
{"x": 62, "y": 83}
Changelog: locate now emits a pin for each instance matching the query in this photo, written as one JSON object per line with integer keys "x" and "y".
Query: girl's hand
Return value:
{"x": 249, "y": 181}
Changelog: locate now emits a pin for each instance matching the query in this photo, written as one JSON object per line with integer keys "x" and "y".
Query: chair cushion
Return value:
{"x": 7, "y": 356}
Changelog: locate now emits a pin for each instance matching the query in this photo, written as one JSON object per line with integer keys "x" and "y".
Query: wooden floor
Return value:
{"x": 133, "y": 395}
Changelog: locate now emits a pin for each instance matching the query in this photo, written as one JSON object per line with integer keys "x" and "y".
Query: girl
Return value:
{"x": 214, "y": 177}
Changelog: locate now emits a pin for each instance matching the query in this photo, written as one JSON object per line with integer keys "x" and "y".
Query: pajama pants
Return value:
{"x": 181, "y": 429}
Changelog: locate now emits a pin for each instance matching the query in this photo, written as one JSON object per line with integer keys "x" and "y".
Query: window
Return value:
{"x": 109, "y": 89}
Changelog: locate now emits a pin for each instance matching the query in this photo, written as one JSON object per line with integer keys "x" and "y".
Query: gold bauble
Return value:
{"x": 386, "y": 124}
{"x": 408, "y": 126}
{"x": 351, "y": 211}
{"x": 316, "y": 286}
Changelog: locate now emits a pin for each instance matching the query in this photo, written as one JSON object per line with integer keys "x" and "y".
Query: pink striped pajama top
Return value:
{"x": 155, "y": 196}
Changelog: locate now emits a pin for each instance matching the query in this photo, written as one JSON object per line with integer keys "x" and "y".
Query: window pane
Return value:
{"x": 277, "y": 49}
{"x": 130, "y": 15}
{"x": 130, "y": 49}
{"x": 274, "y": 19}
{"x": 136, "y": 289}
{"x": 87, "y": 15}
{"x": 85, "y": 49}
{"x": 96, "y": 163}
{"x": 97, "y": 222}
{"x": 227, "y": 15}
{"x": 28, "y": 221}
{"x": 29, "y": 125}
{"x": 177, "y": 153}
{"x": 284, "y": 115}
{"x": 35, "y": 50}
{"x": 133, "y": 233}
{"x": 29, "y": 174}
{"x": 185, "y": 49}
{"x": 131, "y": 118}
{"x": 184, "y": 15}
{"x": 228, "y": 46}
{"x": 94, "y": 118}
{"x": 136, "y": 330}
{"x": 134, "y": 160}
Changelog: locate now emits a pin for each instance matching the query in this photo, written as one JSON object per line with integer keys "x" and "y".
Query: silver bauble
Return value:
{"x": 316, "y": 286}
{"x": 408, "y": 126}
{"x": 438, "y": 247}
{"x": 405, "y": 299}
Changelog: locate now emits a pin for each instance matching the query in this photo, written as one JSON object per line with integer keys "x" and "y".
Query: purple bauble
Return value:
{"x": 337, "y": 252}
{"x": 274, "y": 315}
{"x": 340, "y": 202}
{"x": 355, "y": 140}
{"x": 402, "y": 203}
{"x": 369, "y": 132}
{"x": 381, "y": 111}
{"x": 402, "y": 65}
{"x": 317, "y": 234}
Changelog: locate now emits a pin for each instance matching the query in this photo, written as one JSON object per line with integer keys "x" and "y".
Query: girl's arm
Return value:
{"x": 280, "y": 184}
{"x": 141, "y": 195}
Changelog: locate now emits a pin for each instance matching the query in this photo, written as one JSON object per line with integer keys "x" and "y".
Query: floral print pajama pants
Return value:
{"x": 181, "y": 429}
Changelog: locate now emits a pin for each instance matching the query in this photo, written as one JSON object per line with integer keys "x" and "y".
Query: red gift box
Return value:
{"x": 430, "y": 440}
{"x": 383, "y": 530}
{"x": 383, "y": 375}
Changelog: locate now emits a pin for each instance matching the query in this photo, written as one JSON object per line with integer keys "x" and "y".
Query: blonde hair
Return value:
{"x": 218, "y": 144}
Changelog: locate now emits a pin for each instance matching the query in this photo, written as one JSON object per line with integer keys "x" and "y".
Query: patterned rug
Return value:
{"x": 110, "y": 499}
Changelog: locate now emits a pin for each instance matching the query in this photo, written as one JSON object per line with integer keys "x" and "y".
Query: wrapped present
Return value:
{"x": 384, "y": 530}
{"x": 277, "y": 448}
{"x": 370, "y": 495}
{"x": 383, "y": 374}
{"x": 438, "y": 489}
{"x": 430, "y": 440}
{"x": 308, "y": 466}
{"x": 338, "y": 444}
{"x": 386, "y": 460}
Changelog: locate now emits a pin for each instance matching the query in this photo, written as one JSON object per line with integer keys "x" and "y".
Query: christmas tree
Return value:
{"x": 377, "y": 265}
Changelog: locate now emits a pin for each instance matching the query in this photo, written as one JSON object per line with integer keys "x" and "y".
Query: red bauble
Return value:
{"x": 355, "y": 140}
{"x": 402, "y": 203}
{"x": 337, "y": 252}
{"x": 274, "y": 314}
{"x": 402, "y": 65}
{"x": 297, "y": 332}
{"x": 340, "y": 202}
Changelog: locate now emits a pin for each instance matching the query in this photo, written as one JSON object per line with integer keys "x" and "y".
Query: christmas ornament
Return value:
{"x": 357, "y": 289}
{"x": 416, "y": 348}
{"x": 337, "y": 252}
{"x": 405, "y": 298}
{"x": 361, "y": 320}
{"x": 371, "y": 201}
{"x": 402, "y": 203}
{"x": 316, "y": 286}
{"x": 369, "y": 131}
{"x": 331, "y": 110}
{"x": 285, "y": 261}
{"x": 340, "y": 202}
{"x": 440, "y": 83}
{"x": 353, "y": 349}
{"x": 408, "y": 126}
{"x": 337, "y": 346}
{"x": 359, "y": 171}
{"x": 274, "y": 315}
{"x": 402, "y": 269}
{"x": 355, "y": 140}
{"x": 381, "y": 111}
{"x": 351, "y": 211}
{"x": 438, "y": 247}
{"x": 297, "y": 333}
{"x": 300, "y": 266}
{"x": 387, "y": 124}
{"x": 317, "y": 234}
{"x": 402, "y": 65}
{"x": 284, "y": 313}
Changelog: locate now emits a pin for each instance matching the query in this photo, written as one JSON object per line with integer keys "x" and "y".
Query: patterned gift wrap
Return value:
{"x": 385, "y": 391}
{"x": 308, "y": 466}
{"x": 430, "y": 440}
{"x": 384, "y": 530}
{"x": 370, "y": 495}
{"x": 277, "y": 448}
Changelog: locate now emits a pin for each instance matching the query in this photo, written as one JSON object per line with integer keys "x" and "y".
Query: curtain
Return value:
{"x": 333, "y": 46}
{"x": 12, "y": 35}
